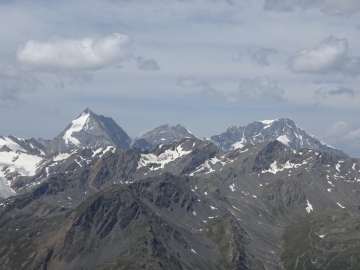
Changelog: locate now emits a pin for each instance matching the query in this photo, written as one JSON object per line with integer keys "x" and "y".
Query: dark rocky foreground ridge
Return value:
{"x": 185, "y": 205}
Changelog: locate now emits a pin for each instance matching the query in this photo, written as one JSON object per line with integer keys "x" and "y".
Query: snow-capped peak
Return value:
{"x": 283, "y": 130}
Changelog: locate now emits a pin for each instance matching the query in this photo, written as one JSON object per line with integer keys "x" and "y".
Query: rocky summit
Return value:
{"x": 162, "y": 135}
{"x": 185, "y": 203}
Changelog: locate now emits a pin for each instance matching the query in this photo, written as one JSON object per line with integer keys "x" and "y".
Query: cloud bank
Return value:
{"x": 330, "y": 7}
{"x": 191, "y": 81}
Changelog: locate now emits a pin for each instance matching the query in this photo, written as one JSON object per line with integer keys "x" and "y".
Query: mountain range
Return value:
{"x": 264, "y": 196}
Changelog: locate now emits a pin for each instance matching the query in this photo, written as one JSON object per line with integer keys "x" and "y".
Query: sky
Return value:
{"x": 205, "y": 64}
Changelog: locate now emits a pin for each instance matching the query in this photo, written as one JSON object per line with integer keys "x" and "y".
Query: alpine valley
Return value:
{"x": 264, "y": 196}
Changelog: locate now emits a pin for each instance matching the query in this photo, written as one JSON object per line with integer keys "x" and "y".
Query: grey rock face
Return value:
{"x": 90, "y": 130}
{"x": 162, "y": 135}
{"x": 283, "y": 130}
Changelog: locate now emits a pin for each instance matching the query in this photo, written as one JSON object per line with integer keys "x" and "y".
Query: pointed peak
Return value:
{"x": 87, "y": 111}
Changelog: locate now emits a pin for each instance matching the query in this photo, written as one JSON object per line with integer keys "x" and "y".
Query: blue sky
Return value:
{"x": 206, "y": 64}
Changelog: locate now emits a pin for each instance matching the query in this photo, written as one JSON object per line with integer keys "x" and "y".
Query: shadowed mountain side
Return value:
{"x": 141, "y": 226}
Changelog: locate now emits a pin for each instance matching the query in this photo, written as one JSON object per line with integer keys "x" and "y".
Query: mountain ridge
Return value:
{"x": 283, "y": 130}
{"x": 203, "y": 203}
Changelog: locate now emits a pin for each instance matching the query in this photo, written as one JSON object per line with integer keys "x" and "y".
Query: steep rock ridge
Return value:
{"x": 283, "y": 130}
{"x": 149, "y": 224}
{"x": 164, "y": 134}
{"x": 90, "y": 130}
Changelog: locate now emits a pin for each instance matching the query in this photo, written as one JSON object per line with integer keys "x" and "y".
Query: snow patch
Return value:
{"x": 236, "y": 208}
{"x": 309, "y": 207}
{"x": 61, "y": 156}
{"x": 274, "y": 167}
{"x": 337, "y": 166}
{"x": 97, "y": 151}
{"x": 163, "y": 159}
{"x": 76, "y": 126}
{"x": 206, "y": 165}
{"x": 283, "y": 139}
{"x": 232, "y": 187}
{"x": 107, "y": 149}
{"x": 268, "y": 122}
{"x": 340, "y": 205}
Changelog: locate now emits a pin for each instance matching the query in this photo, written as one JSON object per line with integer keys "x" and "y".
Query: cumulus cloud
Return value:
{"x": 260, "y": 87}
{"x": 147, "y": 64}
{"x": 330, "y": 7}
{"x": 191, "y": 81}
{"x": 340, "y": 91}
{"x": 331, "y": 55}
{"x": 70, "y": 54}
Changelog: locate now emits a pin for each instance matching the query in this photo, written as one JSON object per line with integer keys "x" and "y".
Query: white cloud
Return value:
{"x": 331, "y": 7}
{"x": 260, "y": 87}
{"x": 147, "y": 64}
{"x": 191, "y": 82}
{"x": 70, "y": 54}
{"x": 331, "y": 55}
